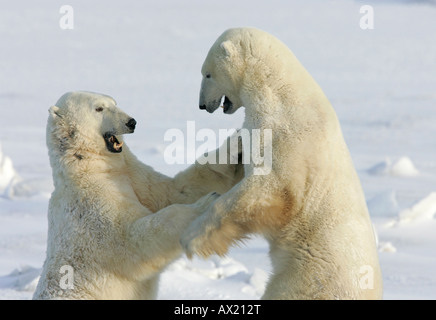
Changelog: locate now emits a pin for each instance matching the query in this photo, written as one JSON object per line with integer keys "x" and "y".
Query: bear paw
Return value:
{"x": 204, "y": 238}
{"x": 204, "y": 202}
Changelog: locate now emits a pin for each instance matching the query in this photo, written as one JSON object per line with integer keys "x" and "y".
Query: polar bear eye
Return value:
{"x": 208, "y": 75}
{"x": 99, "y": 109}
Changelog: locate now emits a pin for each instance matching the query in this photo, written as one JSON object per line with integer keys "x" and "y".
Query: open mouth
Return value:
{"x": 227, "y": 104}
{"x": 112, "y": 143}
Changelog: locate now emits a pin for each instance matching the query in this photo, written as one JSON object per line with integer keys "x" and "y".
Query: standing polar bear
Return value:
{"x": 311, "y": 207}
{"x": 112, "y": 228}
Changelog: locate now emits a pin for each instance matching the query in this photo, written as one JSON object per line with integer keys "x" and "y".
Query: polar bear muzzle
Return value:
{"x": 224, "y": 103}
{"x": 112, "y": 143}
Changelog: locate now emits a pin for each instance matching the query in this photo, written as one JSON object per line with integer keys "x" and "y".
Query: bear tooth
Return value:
{"x": 118, "y": 146}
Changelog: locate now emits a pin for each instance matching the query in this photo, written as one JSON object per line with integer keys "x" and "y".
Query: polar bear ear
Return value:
{"x": 228, "y": 48}
{"x": 55, "y": 112}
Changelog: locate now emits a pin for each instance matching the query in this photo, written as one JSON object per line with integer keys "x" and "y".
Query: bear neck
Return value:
{"x": 284, "y": 90}
{"x": 277, "y": 81}
{"x": 73, "y": 168}
{"x": 287, "y": 100}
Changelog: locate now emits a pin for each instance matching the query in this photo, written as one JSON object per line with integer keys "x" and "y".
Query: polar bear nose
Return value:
{"x": 131, "y": 124}
{"x": 202, "y": 107}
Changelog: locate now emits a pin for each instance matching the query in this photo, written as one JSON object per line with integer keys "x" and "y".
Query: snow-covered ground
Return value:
{"x": 148, "y": 55}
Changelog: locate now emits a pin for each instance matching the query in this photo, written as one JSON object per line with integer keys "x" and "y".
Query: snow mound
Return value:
{"x": 13, "y": 186}
{"x": 384, "y": 204}
{"x": 32, "y": 187}
{"x": 423, "y": 210}
{"x": 257, "y": 283}
{"x": 23, "y": 279}
{"x": 403, "y": 167}
{"x": 386, "y": 247}
{"x": 8, "y": 175}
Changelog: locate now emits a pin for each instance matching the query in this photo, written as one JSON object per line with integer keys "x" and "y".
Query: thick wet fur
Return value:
{"x": 310, "y": 207}
{"x": 114, "y": 223}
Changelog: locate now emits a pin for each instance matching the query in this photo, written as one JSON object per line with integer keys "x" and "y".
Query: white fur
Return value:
{"x": 112, "y": 219}
{"x": 311, "y": 207}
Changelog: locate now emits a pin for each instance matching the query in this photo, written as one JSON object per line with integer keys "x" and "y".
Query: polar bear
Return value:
{"x": 113, "y": 222}
{"x": 311, "y": 207}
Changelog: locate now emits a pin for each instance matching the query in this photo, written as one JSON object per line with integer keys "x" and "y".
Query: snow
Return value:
{"x": 424, "y": 210}
{"x": 148, "y": 56}
{"x": 403, "y": 167}
{"x": 8, "y": 175}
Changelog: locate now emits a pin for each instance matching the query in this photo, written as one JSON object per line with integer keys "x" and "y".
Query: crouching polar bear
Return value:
{"x": 311, "y": 207}
{"x": 112, "y": 228}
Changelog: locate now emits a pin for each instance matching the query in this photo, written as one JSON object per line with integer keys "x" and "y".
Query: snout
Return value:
{"x": 131, "y": 124}
{"x": 210, "y": 106}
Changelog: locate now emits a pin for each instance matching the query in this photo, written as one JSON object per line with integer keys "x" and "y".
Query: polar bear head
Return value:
{"x": 222, "y": 73}
{"x": 225, "y": 70}
{"x": 244, "y": 64}
{"x": 86, "y": 122}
